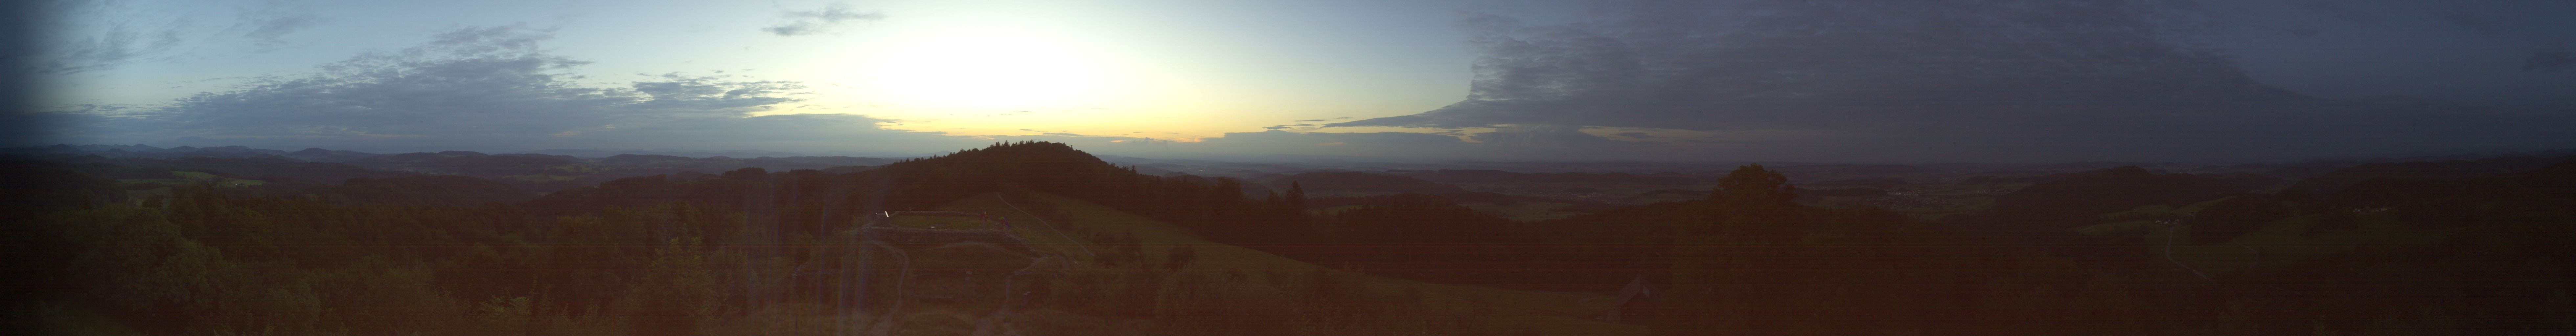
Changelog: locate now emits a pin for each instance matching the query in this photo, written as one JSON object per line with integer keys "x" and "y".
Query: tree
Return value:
{"x": 1753, "y": 185}
{"x": 1296, "y": 196}
{"x": 1730, "y": 263}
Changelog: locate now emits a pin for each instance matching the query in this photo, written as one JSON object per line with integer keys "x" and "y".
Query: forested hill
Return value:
{"x": 2080, "y": 197}
{"x": 813, "y": 201}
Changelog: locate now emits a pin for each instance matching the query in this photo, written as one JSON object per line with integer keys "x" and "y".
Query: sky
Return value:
{"x": 1818, "y": 81}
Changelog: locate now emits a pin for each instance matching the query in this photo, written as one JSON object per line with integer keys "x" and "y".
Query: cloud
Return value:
{"x": 1361, "y": 144}
{"x": 1972, "y": 79}
{"x": 84, "y": 36}
{"x": 2548, "y": 58}
{"x": 826, "y": 20}
{"x": 118, "y": 45}
{"x": 1545, "y": 136}
{"x": 88, "y": 36}
{"x": 474, "y": 81}
{"x": 1508, "y": 143}
{"x": 1706, "y": 65}
{"x": 266, "y": 28}
{"x": 2471, "y": 21}
{"x": 483, "y": 87}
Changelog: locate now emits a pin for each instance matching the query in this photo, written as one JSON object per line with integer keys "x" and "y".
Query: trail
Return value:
{"x": 2169, "y": 239}
{"x": 1050, "y": 227}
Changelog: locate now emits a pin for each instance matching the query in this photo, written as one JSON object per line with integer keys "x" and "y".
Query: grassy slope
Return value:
{"x": 1481, "y": 307}
{"x": 2290, "y": 240}
{"x": 2278, "y": 242}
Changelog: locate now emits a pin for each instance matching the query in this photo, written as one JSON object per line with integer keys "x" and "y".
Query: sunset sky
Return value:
{"x": 1843, "y": 81}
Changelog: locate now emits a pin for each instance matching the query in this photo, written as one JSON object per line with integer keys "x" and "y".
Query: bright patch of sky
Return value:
{"x": 1155, "y": 69}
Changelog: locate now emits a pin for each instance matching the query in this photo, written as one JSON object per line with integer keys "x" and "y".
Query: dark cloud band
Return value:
{"x": 480, "y": 87}
{"x": 1983, "y": 79}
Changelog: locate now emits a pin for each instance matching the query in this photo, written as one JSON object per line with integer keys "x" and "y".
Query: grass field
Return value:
{"x": 1527, "y": 211}
{"x": 939, "y": 222}
{"x": 2278, "y": 242}
{"x": 1434, "y": 308}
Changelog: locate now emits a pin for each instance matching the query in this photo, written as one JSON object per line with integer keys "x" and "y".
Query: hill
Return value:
{"x": 2330, "y": 183}
{"x": 1358, "y": 184}
{"x": 2075, "y": 199}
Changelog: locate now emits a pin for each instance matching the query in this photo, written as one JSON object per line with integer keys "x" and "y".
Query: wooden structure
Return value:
{"x": 1636, "y": 303}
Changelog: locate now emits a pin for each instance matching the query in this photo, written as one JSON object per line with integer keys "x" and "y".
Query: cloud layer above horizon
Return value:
{"x": 1769, "y": 80}
{"x": 1976, "y": 80}
{"x": 484, "y": 87}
